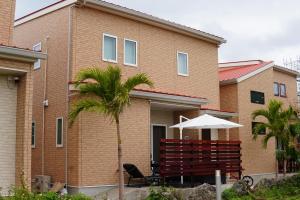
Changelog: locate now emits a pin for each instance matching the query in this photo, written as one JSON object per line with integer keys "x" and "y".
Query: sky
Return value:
{"x": 256, "y": 29}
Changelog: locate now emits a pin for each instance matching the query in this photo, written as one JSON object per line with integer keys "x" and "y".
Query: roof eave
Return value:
{"x": 228, "y": 82}
{"x": 142, "y": 17}
{"x": 21, "y": 54}
{"x": 286, "y": 70}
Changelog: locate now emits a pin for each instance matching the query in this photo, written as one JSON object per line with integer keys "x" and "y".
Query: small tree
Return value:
{"x": 103, "y": 92}
{"x": 278, "y": 125}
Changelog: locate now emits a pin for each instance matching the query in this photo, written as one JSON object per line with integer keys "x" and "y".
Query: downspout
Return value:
{"x": 70, "y": 28}
{"x": 43, "y": 114}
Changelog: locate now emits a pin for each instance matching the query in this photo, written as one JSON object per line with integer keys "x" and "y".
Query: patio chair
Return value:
{"x": 135, "y": 173}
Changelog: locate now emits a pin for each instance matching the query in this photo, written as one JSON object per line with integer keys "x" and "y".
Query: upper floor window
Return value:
{"x": 59, "y": 132}
{"x": 33, "y": 135}
{"x": 37, "y": 47}
{"x": 182, "y": 64}
{"x": 276, "y": 88}
{"x": 282, "y": 90}
{"x": 109, "y": 50}
{"x": 130, "y": 52}
{"x": 298, "y": 86}
{"x": 257, "y": 97}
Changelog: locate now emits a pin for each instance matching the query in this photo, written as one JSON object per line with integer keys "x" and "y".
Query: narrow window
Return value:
{"x": 257, "y": 97}
{"x": 276, "y": 89}
{"x": 182, "y": 63}
{"x": 130, "y": 52}
{"x": 37, "y": 47}
{"x": 59, "y": 132}
{"x": 282, "y": 90}
{"x": 261, "y": 132}
{"x": 33, "y": 135}
{"x": 109, "y": 48}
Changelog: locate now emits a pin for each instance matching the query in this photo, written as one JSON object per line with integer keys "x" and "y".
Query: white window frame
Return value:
{"x": 38, "y": 60}
{"x": 187, "y": 64}
{"x": 62, "y": 134}
{"x": 108, "y": 60}
{"x": 34, "y": 141}
{"x": 136, "y": 52}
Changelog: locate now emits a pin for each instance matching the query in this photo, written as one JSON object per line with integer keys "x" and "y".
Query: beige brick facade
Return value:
{"x": 23, "y": 109}
{"x": 91, "y": 141}
{"x": 256, "y": 159}
{"x": 7, "y": 15}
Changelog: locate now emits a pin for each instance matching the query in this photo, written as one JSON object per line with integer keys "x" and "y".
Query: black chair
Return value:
{"x": 135, "y": 173}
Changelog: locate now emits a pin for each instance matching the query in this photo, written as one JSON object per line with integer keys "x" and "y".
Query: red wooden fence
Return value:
{"x": 199, "y": 157}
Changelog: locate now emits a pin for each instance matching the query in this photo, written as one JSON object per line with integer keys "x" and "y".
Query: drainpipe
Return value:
{"x": 44, "y": 107}
{"x": 67, "y": 85}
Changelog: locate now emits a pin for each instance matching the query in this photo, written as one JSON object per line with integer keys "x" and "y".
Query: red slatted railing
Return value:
{"x": 199, "y": 157}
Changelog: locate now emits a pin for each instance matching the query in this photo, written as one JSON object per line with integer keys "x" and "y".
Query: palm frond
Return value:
{"x": 95, "y": 74}
{"x": 267, "y": 138}
{"x": 90, "y": 105}
{"x": 260, "y": 112}
{"x": 136, "y": 80}
{"x": 259, "y": 127}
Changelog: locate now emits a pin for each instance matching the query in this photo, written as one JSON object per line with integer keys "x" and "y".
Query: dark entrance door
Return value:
{"x": 158, "y": 132}
{"x": 206, "y": 134}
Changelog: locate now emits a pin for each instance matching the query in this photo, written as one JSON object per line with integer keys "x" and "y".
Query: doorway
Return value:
{"x": 159, "y": 131}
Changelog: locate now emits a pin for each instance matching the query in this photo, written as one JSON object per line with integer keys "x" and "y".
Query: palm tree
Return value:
{"x": 103, "y": 92}
{"x": 278, "y": 123}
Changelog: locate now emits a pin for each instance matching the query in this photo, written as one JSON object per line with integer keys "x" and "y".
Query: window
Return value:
{"x": 182, "y": 63}
{"x": 257, "y": 97}
{"x": 109, "y": 51}
{"x": 282, "y": 90}
{"x": 37, "y": 47}
{"x": 130, "y": 52}
{"x": 298, "y": 86}
{"x": 276, "y": 88}
{"x": 59, "y": 132}
{"x": 261, "y": 132}
{"x": 33, "y": 135}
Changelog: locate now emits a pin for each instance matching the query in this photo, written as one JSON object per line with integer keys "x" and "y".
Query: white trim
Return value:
{"x": 255, "y": 72}
{"x": 187, "y": 63}
{"x": 151, "y": 136}
{"x": 45, "y": 11}
{"x": 62, "y": 133}
{"x": 108, "y": 60}
{"x": 241, "y": 63}
{"x": 34, "y": 143}
{"x": 38, "y": 61}
{"x": 136, "y": 53}
{"x": 14, "y": 70}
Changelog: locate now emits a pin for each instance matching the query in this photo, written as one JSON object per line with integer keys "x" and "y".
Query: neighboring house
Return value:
{"x": 181, "y": 61}
{"x": 16, "y": 66}
{"x": 246, "y": 86}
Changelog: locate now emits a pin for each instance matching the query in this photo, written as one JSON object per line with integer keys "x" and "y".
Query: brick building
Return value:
{"x": 15, "y": 103}
{"x": 181, "y": 61}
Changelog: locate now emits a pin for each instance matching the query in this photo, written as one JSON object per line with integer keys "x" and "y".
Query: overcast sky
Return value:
{"x": 256, "y": 29}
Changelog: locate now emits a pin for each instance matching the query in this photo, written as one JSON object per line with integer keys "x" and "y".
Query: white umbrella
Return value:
{"x": 204, "y": 122}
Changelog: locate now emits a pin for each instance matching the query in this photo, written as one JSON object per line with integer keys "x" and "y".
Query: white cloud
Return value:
{"x": 254, "y": 29}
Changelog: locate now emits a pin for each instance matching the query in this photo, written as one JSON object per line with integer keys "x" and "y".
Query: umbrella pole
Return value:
{"x": 181, "y": 178}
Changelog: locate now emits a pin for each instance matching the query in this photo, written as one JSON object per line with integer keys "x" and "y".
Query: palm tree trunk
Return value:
{"x": 120, "y": 162}
{"x": 284, "y": 167}
{"x": 277, "y": 169}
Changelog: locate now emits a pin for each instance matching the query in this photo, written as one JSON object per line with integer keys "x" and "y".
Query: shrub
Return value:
{"x": 163, "y": 193}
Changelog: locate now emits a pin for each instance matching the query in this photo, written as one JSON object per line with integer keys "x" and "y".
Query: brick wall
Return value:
{"x": 23, "y": 120}
{"x": 52, "y": 31}
{"x": 7, "y": 15}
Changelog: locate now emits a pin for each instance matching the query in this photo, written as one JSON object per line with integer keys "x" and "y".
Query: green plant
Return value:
{"x": 163, "y": 193}
{"x": 280, "y": 124}
{"x": 103, "y": 91}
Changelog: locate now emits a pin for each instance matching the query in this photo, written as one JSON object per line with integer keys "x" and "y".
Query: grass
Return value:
{"x": 288, "y": 189}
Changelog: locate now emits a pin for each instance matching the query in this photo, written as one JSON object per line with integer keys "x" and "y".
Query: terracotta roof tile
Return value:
{"x": 237, "y": 71}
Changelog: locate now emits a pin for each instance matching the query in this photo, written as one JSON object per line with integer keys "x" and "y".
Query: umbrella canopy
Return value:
{"x": 206, "y": 122}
